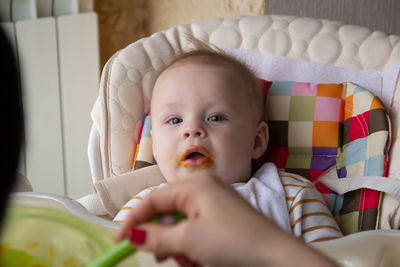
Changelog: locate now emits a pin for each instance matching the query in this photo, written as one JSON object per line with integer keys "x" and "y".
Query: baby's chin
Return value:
{"x": 187, "y": 173}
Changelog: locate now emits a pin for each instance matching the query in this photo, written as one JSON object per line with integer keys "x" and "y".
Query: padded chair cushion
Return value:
{"x": 128, "y": 77}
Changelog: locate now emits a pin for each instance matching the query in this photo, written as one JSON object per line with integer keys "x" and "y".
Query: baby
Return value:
{"x": 207, "y": 118}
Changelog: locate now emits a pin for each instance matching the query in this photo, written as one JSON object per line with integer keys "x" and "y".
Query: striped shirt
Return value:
{"x": 309, "y": 217}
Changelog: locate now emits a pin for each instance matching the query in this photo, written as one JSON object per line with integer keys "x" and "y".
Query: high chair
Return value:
{"x": 126, "y": 84}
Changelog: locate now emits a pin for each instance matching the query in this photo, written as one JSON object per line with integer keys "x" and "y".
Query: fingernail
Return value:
{"x": 182, "y": 262}
{"x": 137, "y": 236}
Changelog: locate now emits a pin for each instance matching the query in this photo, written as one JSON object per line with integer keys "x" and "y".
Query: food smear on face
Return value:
{"x": 196, "y": 156}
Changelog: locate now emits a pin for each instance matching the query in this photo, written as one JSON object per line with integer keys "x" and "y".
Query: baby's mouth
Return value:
{"x": 195, "y": 156}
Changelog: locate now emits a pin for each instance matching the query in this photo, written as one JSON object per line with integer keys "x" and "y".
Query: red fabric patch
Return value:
{"x": 266, "y": 85}
{"x": 314, "y": 175}
{"x": 385, "y": 172}
{"x": 322, "y": 188}
{"x": 140, "y": 134}
{"x": 359, "y": 126}
{"x": 141, "y": 129}
{"x": 369, "y": 199}
{"x": 277, "y": 155}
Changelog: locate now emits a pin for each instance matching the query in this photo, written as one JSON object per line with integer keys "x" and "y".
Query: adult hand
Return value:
{"x": 221, "y": 229}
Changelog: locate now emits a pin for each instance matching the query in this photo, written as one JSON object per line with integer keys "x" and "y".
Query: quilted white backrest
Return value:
{"x": 128, "y": 77}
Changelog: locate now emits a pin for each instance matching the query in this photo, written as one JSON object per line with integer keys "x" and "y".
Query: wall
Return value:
{"x": 57, "y": 51}
{"x": 374, "y": 14}
{"x": 122, "y": 22}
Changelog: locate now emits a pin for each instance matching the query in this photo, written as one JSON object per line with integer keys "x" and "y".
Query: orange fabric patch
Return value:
{"x": 348, "y": 107}
{"x": 376, "y": 104}
{"x": 341, "y": 110}
{"x": 330, "y": 90}
{"x": 325, "y": 134}
{"x": 135, "y": 157}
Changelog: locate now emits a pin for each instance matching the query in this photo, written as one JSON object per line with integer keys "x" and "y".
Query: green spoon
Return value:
{"x": 125, "y": 248}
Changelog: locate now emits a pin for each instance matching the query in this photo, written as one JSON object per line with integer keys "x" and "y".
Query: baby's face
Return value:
{"x": 202, "y": 121}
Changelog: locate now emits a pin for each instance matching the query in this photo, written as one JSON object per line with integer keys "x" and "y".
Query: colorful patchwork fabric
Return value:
{"x": 316, "y": 126}
{"x": 144, "y": 147}
{"x": 313, "y": 127}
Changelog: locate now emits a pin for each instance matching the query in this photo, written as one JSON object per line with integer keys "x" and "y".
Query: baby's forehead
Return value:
{"x": 242, "y": 79}
{"x": 203, "y": 62}
{"x": 218, "y": 76}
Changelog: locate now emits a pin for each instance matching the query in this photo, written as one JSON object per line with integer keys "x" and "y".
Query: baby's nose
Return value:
{"x": 194, "y": 132}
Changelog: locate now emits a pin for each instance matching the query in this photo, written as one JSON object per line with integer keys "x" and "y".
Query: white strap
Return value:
{"x": 388, "y": 185}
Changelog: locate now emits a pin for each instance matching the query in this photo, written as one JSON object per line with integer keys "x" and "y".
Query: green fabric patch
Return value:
{"x": 299, "y": 161}
{"x": 348, "y": 223}
{"x": 302, "y": 108}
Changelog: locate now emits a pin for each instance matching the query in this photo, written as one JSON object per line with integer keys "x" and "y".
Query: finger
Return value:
{"x": 160, "y": 258}
{"x": 161, "y": 240}
{"x": 184, "y": 261}
{"x": 171, "y": 198}
{"x": 145, "y": 210}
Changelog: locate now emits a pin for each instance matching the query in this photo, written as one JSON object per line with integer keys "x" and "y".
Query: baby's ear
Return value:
{"x": 260, "y": 140}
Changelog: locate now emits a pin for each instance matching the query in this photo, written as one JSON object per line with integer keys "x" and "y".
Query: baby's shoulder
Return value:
{"x": 293, "y": 183}
{"x": 293, "y": 178}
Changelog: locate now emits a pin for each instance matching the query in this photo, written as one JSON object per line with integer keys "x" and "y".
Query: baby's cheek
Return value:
{"x": 168, "y": 171}
{"x": 236, "y": 146}
{"x": 237, "y": 162}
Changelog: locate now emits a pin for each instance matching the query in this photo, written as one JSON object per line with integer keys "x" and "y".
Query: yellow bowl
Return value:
{"x": 43, "y": 236}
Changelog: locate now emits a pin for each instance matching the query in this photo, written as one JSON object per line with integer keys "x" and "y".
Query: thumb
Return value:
{"x": 160, "y": 239}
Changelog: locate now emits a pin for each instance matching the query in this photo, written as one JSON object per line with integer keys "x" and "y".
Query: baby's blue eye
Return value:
{"x": 175, "y": 121}
{"x": 216, "y": 118}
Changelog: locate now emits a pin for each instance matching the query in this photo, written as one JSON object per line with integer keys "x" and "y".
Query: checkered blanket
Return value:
{"x": 314, "y": 127}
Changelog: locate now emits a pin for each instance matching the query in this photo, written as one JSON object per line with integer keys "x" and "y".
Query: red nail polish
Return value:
{"x": 137, "y": 236}
{"x": 180, "y": 260}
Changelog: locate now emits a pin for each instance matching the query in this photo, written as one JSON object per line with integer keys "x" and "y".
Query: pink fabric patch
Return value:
{"x": 304, "y": 89}
{"x": 327, "y": 109}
